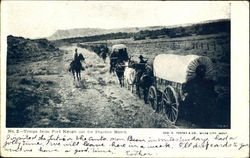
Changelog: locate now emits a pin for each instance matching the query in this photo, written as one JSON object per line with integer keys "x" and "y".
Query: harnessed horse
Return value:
{"x": 143, "y": 79}
{"x": 119, "y": 70}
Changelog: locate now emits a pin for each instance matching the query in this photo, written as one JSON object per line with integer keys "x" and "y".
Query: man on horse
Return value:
{"x": 142, "y": 61}
{"x": 76, "y": 65}
{"x": 143, "y": 77}
{"x": 141, "y": 67}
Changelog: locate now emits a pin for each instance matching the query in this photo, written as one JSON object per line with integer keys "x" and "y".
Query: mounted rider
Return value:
{"x": 142, "y": 61}
{"x": 141, "y": 67}
{"x": 76, "y": 63}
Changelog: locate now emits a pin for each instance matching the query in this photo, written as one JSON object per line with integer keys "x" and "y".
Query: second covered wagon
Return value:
{"x": 171, "y": 74}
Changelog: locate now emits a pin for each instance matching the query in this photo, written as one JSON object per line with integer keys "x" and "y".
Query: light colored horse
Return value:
{"x": 129, "y": 77}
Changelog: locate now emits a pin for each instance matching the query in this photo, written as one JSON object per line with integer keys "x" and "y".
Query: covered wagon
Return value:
{"x": 171, "y": 74}
{"x": 118, "y": 54}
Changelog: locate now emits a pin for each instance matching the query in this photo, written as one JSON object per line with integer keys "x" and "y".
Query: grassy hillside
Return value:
{"x": 24, "y": 49}
{"x": 26, "y": 95}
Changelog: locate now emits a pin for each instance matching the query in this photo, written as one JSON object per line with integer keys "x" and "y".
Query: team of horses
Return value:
{"x": 133, "y": 75}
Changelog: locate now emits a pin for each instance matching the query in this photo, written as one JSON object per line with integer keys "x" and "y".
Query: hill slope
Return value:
{"x": 84, "y": 32}
{"x": 20, "y": 49}
{"x": 202, "y": 27}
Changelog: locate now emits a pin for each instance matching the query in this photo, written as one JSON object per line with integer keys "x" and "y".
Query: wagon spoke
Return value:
{"x": 168, "y": 99}
{"x": 171, "y": 117}
{"x": 151, "y": 95}
{"x": 174, "y": 107}
{"x": 168, "y": 110}
{"x": 174, "y": 112}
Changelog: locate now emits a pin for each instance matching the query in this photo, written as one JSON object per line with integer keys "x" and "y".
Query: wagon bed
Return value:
{"x": 171, "y": 72}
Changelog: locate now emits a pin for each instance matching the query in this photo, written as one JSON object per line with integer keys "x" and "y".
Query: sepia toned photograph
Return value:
{"x": 118, "y": 65}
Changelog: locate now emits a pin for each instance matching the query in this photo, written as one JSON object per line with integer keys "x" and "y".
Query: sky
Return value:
{"x": 41, "y": 19}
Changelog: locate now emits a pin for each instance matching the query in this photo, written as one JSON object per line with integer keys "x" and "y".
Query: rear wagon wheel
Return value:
{"x": 170, "y": 105}
{"x": 152, "y": 97}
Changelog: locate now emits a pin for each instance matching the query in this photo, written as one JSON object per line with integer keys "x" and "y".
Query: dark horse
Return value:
{"x": 76, "y": 66}
{"x": 119, "y": 70}
{"x": 118, "y": 57}
{"x": 104, "y": 56}
{"x": 104, "y": 53}
{"x": 113, "y": 61}
{"x": 143, "y": 80}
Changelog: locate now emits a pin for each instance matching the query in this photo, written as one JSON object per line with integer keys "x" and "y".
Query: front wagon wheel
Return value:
{"x": 170, "y": 105}
{"x": 152, "y": 97}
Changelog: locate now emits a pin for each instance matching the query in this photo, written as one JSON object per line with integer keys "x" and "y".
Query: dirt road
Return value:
{"x": 97, "y": 101}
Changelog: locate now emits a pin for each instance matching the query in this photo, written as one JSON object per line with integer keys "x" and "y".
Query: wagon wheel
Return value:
{"x": 152, "y": 97}
{"x": 170, "y": 104}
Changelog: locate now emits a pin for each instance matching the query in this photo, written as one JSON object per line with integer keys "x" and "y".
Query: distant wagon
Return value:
{"x": 118, "y": 54}
{"x": 172, "y": 73}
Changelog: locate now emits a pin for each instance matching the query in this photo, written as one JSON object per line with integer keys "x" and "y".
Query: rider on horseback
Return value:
{"x": 143, "y": 78}
{"x": 76, "y": 65}
{"x": 142, "y": 61}
{"x": 141, "y": 67}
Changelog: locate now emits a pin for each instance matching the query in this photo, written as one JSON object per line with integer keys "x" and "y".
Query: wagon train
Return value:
{"x": 173, "y": 74}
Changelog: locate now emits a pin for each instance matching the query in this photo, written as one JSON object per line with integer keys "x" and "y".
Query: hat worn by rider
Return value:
{"x": 141, "y": 57}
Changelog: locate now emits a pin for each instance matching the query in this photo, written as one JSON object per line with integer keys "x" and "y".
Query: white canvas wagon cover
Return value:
{"x": 118, "y": 46}
{"x": 180, "y": 68}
